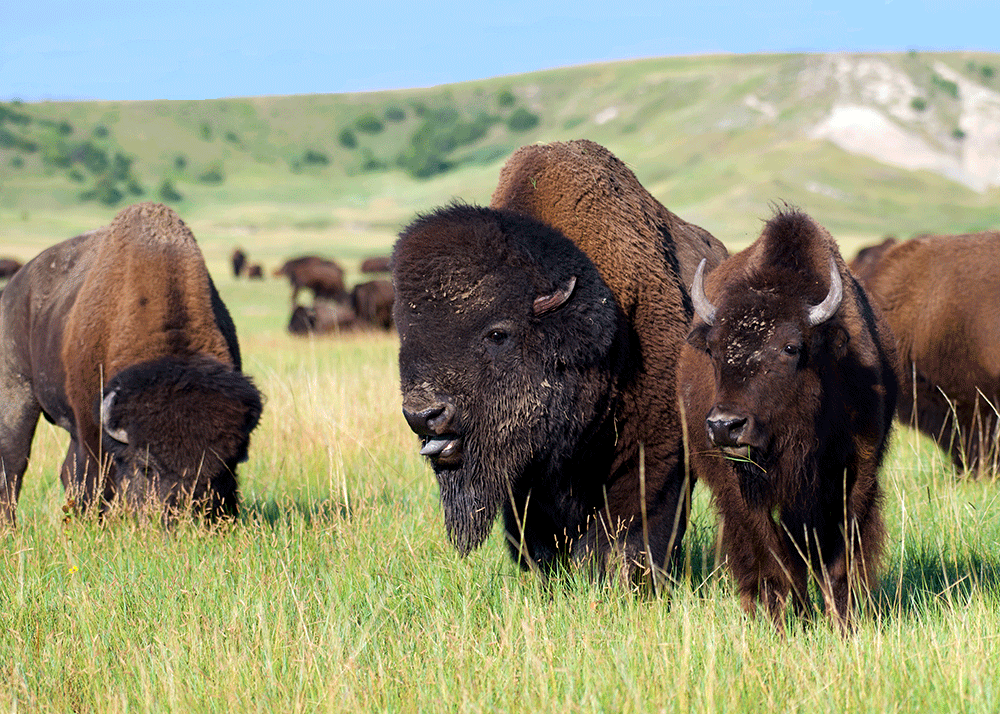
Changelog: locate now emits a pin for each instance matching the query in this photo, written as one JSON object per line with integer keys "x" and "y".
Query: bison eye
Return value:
{"x": 792, "y": 350}
{"x": 497, "y": 337}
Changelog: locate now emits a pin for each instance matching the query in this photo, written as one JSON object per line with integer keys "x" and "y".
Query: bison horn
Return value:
{"x": 106, "y": 405}
{"x": 825, "y": 310}
{"x": 705, "y": 309}
{"x": 548, "y": 303}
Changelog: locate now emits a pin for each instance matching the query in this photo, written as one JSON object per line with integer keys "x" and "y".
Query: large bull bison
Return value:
{"x": 941, "y": 296}
{"x": 119, "y": 337}
{"x": 324, "y": 277}
{"x": 787, "y": 382}
{"x": 538, "y": 340}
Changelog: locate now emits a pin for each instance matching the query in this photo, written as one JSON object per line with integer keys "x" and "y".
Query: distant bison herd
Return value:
{"x": 573, "y": 358}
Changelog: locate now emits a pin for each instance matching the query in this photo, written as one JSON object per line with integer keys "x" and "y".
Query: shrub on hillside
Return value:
{"x": 506, "y": 98}
{"x": 945, "y": 85}
{"x": 167, "y": 192}
{"x": 522, "y": 120}
{"x": 180, "y": 162}
{"x": 213, "y": 174}
{"x": 394, "y": 114}
{"x": 369, "y": 124}
{"x": 105, "y": 191}
{"x": 101, "y": 132}
{"x": 918, "y": 103}
{"x": 315, "y": 158}
{"x": 347, "y": 139}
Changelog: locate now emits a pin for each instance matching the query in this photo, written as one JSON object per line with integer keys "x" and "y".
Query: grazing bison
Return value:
{"x": 787, "y": 382}
{"x": 324, "y": 277}
{"x": 324, "y": 317}
{"x": 372, "y": 302}
{"x": 537, "y": 360}
{"x": 255, "y": 271}
{"x": 239, "y": 261}
{"x": 867, "y": 258}
{"x": 119, "y": 337}
{"x": 941, "y": 296}
{"x": 377, "y": 264}
{"x": 8, "y": 266}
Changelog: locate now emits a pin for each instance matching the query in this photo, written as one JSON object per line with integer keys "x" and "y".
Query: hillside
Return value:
{"x": 869, "y": 144}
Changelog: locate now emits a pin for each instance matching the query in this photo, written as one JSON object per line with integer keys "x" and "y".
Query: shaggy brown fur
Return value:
{"x": 789, "y": 418}
{"x": 324, "y": 277}
{"x": 941, "y": 296}
{"x": 119, "y": 298}
{"x": 324, "y": 317}
{"x": 546, "y": 414}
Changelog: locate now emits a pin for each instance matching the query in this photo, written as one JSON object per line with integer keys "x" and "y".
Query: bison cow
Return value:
{"x": 119, "y": 337}
{"x": 372, "y": 303}
{"x": 941, "y": 296}
{"x": 324, "y": 277}
{"x": 538, "y": 340}
{"x": 787, "y": 382}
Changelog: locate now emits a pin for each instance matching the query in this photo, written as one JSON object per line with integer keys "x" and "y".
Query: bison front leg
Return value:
{"x": 759, "y": 562}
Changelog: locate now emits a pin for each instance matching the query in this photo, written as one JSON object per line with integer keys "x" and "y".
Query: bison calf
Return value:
{"x": 119, "y": 337}
{"x": 788, "y": 385}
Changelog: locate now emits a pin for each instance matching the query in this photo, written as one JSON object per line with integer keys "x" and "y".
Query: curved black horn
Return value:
{"x": 705, "y": 309}
{"x": 826, "y": 309}
{"x": 106, "y": 405}
{"x": 547, "y": 303}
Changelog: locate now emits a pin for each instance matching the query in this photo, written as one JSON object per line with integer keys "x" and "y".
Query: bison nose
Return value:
{"x": 432, "y": 421}
{"x": 725, "y": 429}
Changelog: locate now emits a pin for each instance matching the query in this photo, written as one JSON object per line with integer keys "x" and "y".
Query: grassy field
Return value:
{"x": 337, "y": 591}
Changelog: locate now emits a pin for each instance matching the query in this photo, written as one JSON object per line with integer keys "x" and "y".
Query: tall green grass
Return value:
{"x": 337, "y": 591}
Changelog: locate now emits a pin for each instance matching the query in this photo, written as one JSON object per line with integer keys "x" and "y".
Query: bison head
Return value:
{"x": 766, "y": 342}
{"x": 175, "y": 430}
{"x": 507, "y": 336}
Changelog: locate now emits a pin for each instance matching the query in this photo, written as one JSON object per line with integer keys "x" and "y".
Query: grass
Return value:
{"x": 337, "y": 591}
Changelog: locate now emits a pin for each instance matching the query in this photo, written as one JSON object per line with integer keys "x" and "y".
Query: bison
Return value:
{"x": 8, "y": 266}
{"x": 324, "y": 317}
{"x": 372, "y": 303}
{"x": 941, "y": 296}
{"x": 788, "y": 386}
{"x": 255, "y": 271}
{"x": 119, "y": 337}
{"x": 538, "y": 339}
{"x": 377, "y": 264}
{"x": 324, "y": 277}
{"x": 239, "y": 261}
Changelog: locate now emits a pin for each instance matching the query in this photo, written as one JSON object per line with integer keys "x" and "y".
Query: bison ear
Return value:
{"x": 548, "y": 303}
{"x": 698, "y": 337}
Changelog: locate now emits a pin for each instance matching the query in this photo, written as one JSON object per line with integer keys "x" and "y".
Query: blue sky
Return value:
{"x": 199, "y": 50}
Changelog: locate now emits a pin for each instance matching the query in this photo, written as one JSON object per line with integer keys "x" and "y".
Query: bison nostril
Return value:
{"x": 726, "y": 431}
{"x": 431, "y": 421}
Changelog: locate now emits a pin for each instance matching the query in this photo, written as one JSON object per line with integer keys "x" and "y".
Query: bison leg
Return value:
{"x": 757, "y": 556}
{"x": 18, "y": 420}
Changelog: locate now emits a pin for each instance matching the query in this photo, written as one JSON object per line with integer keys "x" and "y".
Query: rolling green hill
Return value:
{"x": 869, "y": 144}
